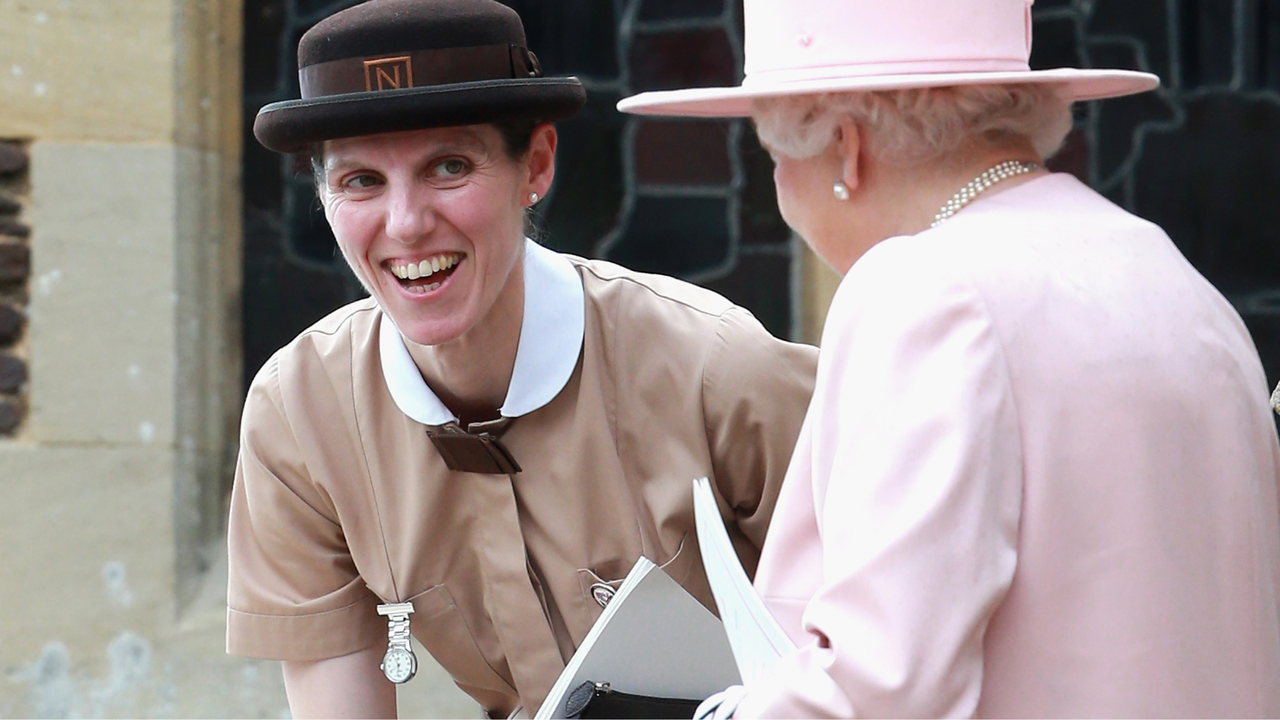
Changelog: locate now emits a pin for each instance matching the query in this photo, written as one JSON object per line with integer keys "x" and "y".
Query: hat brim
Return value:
{"x": 294, "y": 125}
{"x": 1073, "y": 84}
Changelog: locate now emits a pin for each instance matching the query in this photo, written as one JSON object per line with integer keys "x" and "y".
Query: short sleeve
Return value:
{"x": 914, "y": 457}
{"x": 756, "y": 389}
{"x": 293, "y": 589}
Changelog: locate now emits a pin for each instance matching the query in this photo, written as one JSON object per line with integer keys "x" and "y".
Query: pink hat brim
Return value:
{"x": 1073, "y": 84}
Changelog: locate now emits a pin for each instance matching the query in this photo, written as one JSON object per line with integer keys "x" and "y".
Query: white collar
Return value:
{"x": 550, "y": 341}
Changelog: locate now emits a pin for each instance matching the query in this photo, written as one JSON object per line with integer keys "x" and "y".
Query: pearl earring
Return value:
{"x": 840, "y": 190}
{"x": 533, "y": 198}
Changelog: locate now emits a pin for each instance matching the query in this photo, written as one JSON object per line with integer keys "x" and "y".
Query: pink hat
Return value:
{"x": 804, "y": 47}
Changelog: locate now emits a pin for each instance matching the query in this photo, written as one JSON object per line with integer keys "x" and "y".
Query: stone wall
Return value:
{"x": 119, "y": 358}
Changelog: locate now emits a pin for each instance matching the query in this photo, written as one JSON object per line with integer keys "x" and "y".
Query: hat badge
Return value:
{"x": 390, "y": 73}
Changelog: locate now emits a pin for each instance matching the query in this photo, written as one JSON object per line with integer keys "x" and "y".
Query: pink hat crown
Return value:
{"x": 802, "y": 47}
{"x": 805, "y": 40}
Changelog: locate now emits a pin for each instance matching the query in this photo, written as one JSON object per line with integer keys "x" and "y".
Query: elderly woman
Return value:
{"x": 477, "y": 453}
{"x": 1038, "y": 476}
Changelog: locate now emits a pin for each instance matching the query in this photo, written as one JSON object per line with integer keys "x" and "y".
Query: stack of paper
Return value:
{"x": 755, "y": 636}
{"x": 655, "y": 639}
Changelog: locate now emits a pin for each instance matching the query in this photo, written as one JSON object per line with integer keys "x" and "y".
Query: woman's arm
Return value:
{"x": 755, "y": 390}
{"x": 294, "y": 593}
{"x": 351, "y": 686}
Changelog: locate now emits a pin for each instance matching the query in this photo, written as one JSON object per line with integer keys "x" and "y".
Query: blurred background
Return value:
{"x": 152, "y": 255}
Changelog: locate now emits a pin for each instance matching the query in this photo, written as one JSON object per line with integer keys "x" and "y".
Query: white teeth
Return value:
{"x": 423, "y": 289}
{"x": 426, "y": 268}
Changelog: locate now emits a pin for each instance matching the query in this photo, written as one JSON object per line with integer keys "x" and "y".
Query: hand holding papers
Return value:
{"x": 653, "y": 639}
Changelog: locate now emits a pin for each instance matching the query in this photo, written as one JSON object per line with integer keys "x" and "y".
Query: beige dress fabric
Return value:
{"x": 341, "y": 502}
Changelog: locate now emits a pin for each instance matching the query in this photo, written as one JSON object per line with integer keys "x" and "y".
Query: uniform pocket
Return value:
{"x": 605, "y": 578}
{"x": 440, "y": 627}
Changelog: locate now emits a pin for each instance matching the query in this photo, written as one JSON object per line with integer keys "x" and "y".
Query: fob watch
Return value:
{"x": 399, "y": 664}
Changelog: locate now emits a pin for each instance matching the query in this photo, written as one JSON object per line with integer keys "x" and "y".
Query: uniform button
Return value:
{"x": 602, "y": 593}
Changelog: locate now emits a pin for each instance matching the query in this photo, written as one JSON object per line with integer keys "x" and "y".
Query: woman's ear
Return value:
{"x": 850, "y": 148}
{"x": 541, "y": 159}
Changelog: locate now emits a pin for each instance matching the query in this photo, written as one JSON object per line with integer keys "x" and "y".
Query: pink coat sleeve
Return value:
{"x": 909, "y": 473}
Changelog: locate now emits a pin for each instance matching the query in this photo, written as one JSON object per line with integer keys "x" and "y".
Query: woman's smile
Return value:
{"x": 425, "y": 276}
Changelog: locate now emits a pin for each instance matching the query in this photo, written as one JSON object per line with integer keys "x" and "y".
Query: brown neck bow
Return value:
{"x": 477, "y": 449}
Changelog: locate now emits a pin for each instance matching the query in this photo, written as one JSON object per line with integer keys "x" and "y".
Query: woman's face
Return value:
{"x": 431, "y": 221}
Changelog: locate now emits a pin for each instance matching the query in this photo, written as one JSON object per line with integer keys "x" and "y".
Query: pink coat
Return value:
{"x": 1038, "y": 478}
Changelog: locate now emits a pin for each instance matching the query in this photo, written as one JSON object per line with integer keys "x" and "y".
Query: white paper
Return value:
{"x": 653, "y": 639}
{"x": 755, "y": 636}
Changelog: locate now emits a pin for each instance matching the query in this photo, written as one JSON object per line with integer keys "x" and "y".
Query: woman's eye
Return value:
{"x": 363, "y": 181}
{"x": 451, "y": 168}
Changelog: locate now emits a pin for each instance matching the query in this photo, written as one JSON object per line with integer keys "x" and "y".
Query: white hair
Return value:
{"x": 919, "y": 124}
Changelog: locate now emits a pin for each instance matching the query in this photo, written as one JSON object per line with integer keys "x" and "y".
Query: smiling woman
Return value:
{"x": 498, "y": 427}
{"x": 445, "y": 205}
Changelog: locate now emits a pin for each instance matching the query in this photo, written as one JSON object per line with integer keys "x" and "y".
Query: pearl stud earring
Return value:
{"x": 533, "y": 198}
{"x": 840, "y": 190}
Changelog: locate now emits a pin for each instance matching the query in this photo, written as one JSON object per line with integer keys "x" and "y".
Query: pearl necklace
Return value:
{"x": 976, "y": 186}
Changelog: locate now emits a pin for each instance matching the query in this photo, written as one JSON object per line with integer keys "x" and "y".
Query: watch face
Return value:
{"x": 399, "y": 665}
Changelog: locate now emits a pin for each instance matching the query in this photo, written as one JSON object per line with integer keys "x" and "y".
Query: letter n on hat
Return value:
{"x": 391, "y": 73}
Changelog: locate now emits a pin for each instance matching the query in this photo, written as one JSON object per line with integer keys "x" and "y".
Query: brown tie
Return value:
{"x": 476, "y": 449}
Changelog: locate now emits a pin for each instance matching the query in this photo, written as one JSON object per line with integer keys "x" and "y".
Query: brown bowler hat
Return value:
{"x": 393, "y": 65}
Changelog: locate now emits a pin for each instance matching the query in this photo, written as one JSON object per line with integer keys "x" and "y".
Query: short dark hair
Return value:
{"x": 517, "y": 135}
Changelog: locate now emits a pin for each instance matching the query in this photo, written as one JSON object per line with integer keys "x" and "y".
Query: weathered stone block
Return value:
{"x": 102, "y": 276}
{"x": 11, "y": 322}
{"x": 83, "y": 510}
{"x": 13, "y": 228}
{"x": 13, "y": 373}
{"x": 12, "y": 159}
{"x": 98, "y": 70}
{"x": 10, "y": 415}
{"x": 15, "y": 261}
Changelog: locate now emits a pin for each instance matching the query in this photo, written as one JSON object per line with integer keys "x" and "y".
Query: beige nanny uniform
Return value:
{"x": 626, "y": 387}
